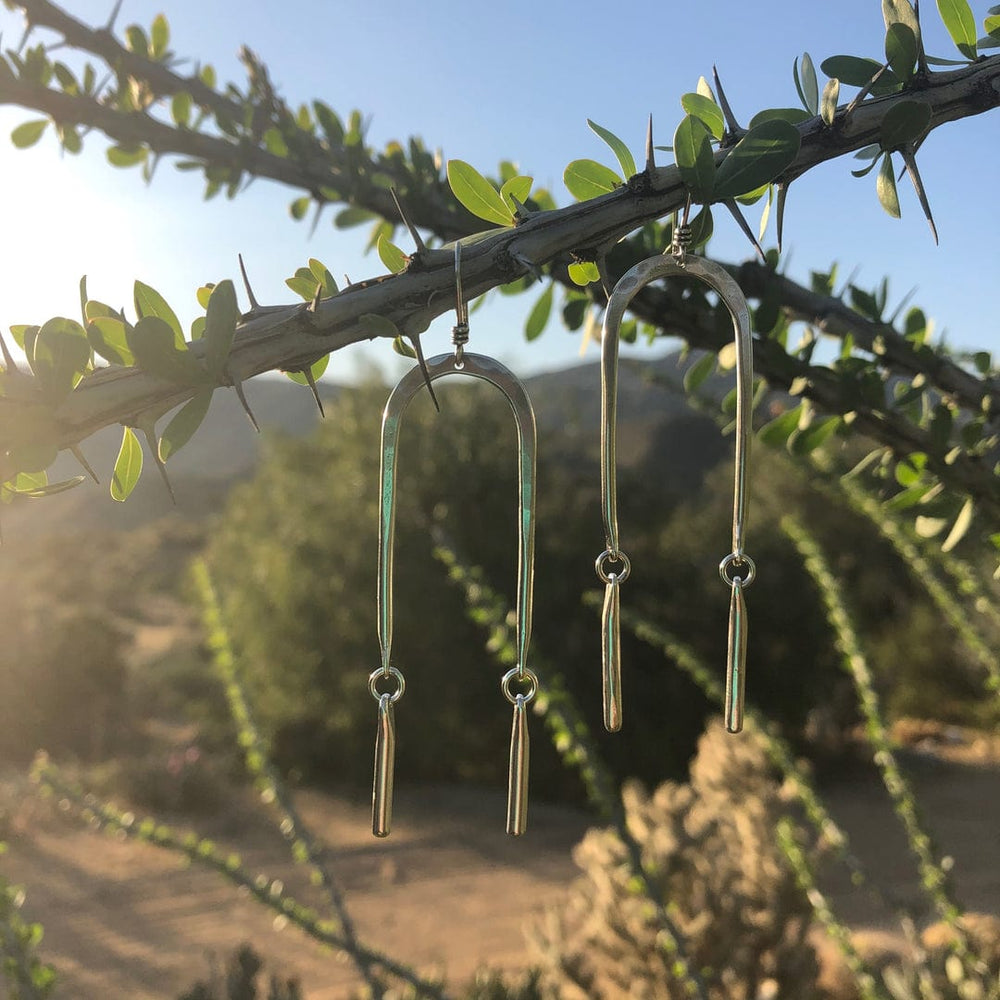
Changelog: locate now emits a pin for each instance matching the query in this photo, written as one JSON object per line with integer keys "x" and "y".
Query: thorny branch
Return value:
{"x": 291, "y": 336}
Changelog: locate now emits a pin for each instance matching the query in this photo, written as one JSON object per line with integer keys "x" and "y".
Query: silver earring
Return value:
{"x": 490, "y": 370}
{"x": 737, "y": 569}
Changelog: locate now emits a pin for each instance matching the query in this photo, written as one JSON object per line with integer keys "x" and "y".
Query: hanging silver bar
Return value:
{"x": 736, "y": 660}
{"x": 517, "y": 777}
{"x": 612, "y": 655}
{"x": 385, "y": 766}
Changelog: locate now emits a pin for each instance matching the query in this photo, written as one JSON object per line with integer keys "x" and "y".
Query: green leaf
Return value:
{"x": 149, "y": 302}
{"x": 518, "y": 188}
{"x": 961, "y": 24}
{"x": 400, "y": 346}
{"x": 618, "y": 147}
{"x": 758, "y": 158}
{"x": 702, "y": 226}
{"x": 303, "y": 287}
{"x": 128, "y": 466}
{"x": 159, "y": 37}
{"x": 695, "y": 158}
{"x": 901, "y": 50}
{"x": 317, "y": 369}
{"x": 903, "y": 124}
{"x": 390, "y": 255}
{"x": 184, "y": 423}
{"x": 180, "y": 108}
{"x": 350, "y": 217}
{"x": 583, "y": 272}
{"x": 706, "y": 111}
{"x": 992, "y": 25}
{"x": 299, "y": 207}
{"x": 885, "y": 187}
{"x": 126, "y": 156}
{"x": 806, "y": 85}
{"x": 812, "y": 437}
{"x": 154, "y": 348}
{"x": 477, "y": 194}
{"x": 61, "y": 352}
{"x": 696, "y": 375}
{"x": 322, "y": 274}
{"x": 204, "y": 294}
{"x": 857, "y": 72}
{"x": 220, "y": 325}
{"x": 29, "y": 133}
{"x": 828, "y": 102}
{"x": 794, "y": 116}
{"x": 776, "y": 432}
{"x": 539, "y": 315}
{"x": 900, "y": 12}
{"x": 106, "y": 335}
{"x": 586, "y": 179}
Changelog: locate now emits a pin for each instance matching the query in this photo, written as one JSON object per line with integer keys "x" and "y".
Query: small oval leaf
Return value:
{"x": 586, "y": 179}
{"x": 516, "y": 189}
{"x": 390, "y": 255}
{"x": 705, "y": 110}
{"x": 128, "y": 466}
{"x": 539, "y": 315}
{"x": 477, "y": 194}
{"x": 695, "y": 158}
{"x": 621, "y": 151}
{"x": 29, "y": 133}
{"x": 885, "y": 187}
{"x": 184, "y": 423}
{"x": 221, "y": 317}
{"x": 961, "y": 24}
{"x": 828, "y": 102}
{"x": 853, "y": 71}
{"x": 758, "y": 158}
{"x": 901, "y": 50}
{"x": 149, "y": 302}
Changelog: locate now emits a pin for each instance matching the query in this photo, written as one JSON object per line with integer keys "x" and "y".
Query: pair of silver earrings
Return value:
{"x": 520, "y": 684}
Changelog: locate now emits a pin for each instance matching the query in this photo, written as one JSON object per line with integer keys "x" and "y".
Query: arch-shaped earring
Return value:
{"x": 489, "y": 370}
{"x": 737, "y": 569}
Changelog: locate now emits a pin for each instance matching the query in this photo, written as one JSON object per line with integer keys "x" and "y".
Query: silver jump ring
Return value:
{"x": 376, "y": 675}
{"x": 736, "y": 560}
{"x": 528, "y": 675}
{"x": 610, "y": 556}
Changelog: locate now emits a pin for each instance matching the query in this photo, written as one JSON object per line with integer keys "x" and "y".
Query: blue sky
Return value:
{"x": 485, "y": 82}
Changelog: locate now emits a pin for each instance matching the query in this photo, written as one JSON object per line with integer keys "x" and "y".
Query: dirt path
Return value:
{"x": 448, "y": 891}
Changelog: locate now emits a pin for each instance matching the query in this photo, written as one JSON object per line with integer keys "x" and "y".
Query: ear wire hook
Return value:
{"x": 737, "y": 569}
{"x": 460, "y": 331}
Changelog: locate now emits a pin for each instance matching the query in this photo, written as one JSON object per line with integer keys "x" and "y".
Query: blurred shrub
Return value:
{"x": 710, "y": 848}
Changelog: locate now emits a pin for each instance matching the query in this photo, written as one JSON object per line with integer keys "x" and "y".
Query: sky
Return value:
{"x": 485, "y": 82}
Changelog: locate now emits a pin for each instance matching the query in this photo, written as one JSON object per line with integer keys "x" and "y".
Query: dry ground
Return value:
{"x": 448, "y": 890}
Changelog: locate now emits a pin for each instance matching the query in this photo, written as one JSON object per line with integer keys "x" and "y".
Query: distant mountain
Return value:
{"x": 657, "y": 430}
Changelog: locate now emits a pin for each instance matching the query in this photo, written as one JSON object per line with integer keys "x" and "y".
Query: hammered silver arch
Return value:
{"x": 628, "y": 286}
{"x": 492, "y": 371}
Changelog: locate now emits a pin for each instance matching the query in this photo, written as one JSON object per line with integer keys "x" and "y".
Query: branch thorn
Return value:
{"x": 414, "y": 235}
{"x": 237, "y": 384}
{"x": 650, "y": 154}
{"x": 918, "y": 185}
{"x": 422, "y": 362}
{"x": 732, "y": 125}
{"x": 149, "y": 433}
{"x": 79, "y": 456}
{"x": 254, "y": 304}
{"x": 307, "y": 372}
{"x": 109, "y": 27}
{"x": 780, "y": 218}
{"x": 730, "y": 203}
